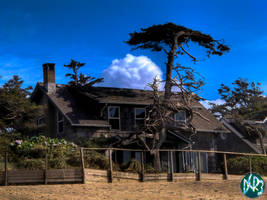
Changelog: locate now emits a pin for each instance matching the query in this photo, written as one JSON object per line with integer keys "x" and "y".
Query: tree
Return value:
{"x": 243, "y": 102}
{"x": 240, "y": 101}
{"x": 17, "y": 114}
{"x": 172, "y": 39}
{"x": 80, "y": 80}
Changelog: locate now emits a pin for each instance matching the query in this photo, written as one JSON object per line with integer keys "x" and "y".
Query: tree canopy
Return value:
{"x": 244, "y": 100}
{"x": 173, "y": 40}
{"x": 79, "y": 79}
{"x": 17, "y": 114}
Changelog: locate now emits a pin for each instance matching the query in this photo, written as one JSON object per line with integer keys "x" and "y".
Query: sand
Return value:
{"x": 128, "y": 190}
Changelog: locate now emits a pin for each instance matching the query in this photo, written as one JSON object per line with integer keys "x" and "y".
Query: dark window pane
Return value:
{"x": 180, "y": 116}
{"x": 113, "y": 112}
{"x": 60, "y": 127}
{"x": 115, "y": 123}
{"x": 140, "y": 113}
{"x": 59, "y": 116}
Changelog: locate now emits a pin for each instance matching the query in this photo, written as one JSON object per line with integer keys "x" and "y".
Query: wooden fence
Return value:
{"x": 81, "y": 175}
{"x": 46, "y": 176}
{"x": 170, "y": 175}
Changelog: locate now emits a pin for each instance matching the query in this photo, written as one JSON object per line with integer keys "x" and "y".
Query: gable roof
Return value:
{"x": 64, "y": 101}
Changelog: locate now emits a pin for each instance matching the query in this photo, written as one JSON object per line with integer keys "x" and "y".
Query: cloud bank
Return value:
{"x": 131, "y": 72}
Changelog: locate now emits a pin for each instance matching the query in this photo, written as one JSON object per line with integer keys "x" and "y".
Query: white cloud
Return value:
{"x": 131, "y": 72}
{"x": 217, "y": 101}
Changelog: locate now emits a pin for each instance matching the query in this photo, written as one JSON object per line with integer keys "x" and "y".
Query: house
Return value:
{"x": 118, "y": 112}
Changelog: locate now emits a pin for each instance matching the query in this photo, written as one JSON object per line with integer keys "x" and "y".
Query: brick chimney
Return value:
{"x": 49, "y": 77}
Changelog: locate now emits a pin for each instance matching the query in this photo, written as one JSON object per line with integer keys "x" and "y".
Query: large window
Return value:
{"x": 140, "y": 114}
{"x": 114, "y": 117}
{"x": 180, "y": 117}
{"x": 60, "y": 122}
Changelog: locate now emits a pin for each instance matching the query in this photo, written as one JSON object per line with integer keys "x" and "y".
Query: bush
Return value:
{"x": 149, "y": 168}
{"x": 132, "y": 166}
{"x": 31, "y": 163}
{"x": 93, "y": 159}
{"x": 37, "y": 151}
{"x": 240, "y": 165}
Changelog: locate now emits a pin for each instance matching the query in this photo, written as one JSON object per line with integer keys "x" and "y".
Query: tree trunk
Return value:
{"x": 156, "y": 160}
{"x": 169, "y": 67}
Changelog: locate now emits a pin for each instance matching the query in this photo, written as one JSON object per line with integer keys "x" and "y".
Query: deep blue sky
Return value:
{"x": 34, "y": 32}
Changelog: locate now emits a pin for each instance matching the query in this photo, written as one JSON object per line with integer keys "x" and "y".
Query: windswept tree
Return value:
{"x": 174, "y": 40}
{"x": 79, "y": 79}
{"x": 17, "y": 114}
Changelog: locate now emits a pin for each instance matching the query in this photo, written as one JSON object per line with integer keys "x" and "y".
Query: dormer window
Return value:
{"x": 140, "y": 114}
{"x": 180, "y": 117}
{"x": 60, "y": 122}
{"x": 114, "y": 117}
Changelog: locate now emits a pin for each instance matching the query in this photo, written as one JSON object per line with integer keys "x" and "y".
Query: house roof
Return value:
{"x": 204, "y": 121}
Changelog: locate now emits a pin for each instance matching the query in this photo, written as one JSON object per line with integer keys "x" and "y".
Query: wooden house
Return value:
{"x": 118, "y": 112}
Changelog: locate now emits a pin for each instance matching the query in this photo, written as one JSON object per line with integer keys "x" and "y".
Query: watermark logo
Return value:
{"x": 252, "y": 185}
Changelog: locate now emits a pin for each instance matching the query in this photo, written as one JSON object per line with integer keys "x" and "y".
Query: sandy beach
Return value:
{"x": 128, "y": 190}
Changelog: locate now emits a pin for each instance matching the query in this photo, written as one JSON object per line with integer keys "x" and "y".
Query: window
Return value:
{"x": 140, "y": 114}
{"x": 60, "y": 122}
{"x": 40, "y": 121}
{"x": 114, "y": 117}
{"x": 180, "y": 116}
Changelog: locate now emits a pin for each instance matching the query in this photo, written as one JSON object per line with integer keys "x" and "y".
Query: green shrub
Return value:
{"x": 134, "y": 166}
{"x": 93, "y": 159}
{"x": 240, "y": 165}
{"x": 37, "y": 151}
{"x": 31, "y": 163}
{"x": 149, "y": 168}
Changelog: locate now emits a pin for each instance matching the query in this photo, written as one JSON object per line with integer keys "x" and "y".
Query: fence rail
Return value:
{"x": 81, "y": 174}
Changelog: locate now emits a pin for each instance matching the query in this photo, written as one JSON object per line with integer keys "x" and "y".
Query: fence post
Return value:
{"x": 110, "y": 167}
{"x": 142, "y": 175}
{"x": 6, "y": 170}
{"x": 46, "y": 166}
{"x": 82, "y": 162}
{"x": 250, "y": 165}
{"x": 198, "y": 174}
{"x": 171, "y": 166}
{"x": 225, "y": 175}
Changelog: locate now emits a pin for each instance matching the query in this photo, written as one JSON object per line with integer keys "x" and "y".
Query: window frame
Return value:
{"x": 59, "y": 121}
{"x": 118, "y": 118}
{"x": 139, "y": 118}
{"x": 40, "y": 121}
{"x": 179, "y": 121}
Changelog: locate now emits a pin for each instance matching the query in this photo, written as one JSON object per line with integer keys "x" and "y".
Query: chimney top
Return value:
{"x": 49, "y": 77}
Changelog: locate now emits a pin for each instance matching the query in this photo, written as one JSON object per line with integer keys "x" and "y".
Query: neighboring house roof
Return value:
{"x": 65, "y": 102}
{"x": 227, "y": 123}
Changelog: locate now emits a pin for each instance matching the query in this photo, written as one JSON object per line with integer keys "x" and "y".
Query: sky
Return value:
{"x": 34, "y": 32}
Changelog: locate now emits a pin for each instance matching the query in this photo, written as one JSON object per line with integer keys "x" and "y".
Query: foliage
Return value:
{"x": 240, "y": 165}
{"x": 134, "y": 166}
{"x": 80, "y": 80}
{"x": 96, "y": 160}
{"x": 17, "y": 114}
{"x": 30, "y": 163}
{"x": 172, "y": 38}
{"x": 149, "y": 168}
{"x": 243, "y": 101}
